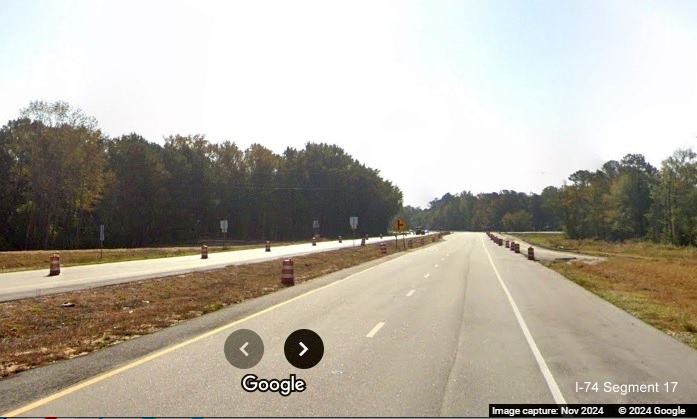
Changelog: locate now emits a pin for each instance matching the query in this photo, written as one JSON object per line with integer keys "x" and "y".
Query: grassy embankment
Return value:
{"x": 39, "y": 330}
{"x": 656, "y": 283}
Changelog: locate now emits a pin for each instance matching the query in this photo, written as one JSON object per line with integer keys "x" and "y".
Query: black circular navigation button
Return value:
{"x": 244, "y": 348}
{"x": 304, "y": 348}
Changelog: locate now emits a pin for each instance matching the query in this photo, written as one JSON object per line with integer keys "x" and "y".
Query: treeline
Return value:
{"x": 61, "y": 177}
{"x": 622, "y": 200}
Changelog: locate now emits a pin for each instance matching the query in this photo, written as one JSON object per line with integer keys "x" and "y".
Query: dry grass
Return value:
{"x": 637, "y": 248}
{"x": 661, "y": 292}
{"x": 38, "y": 330}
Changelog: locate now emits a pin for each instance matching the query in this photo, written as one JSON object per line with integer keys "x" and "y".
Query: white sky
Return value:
{"x": 440, "y": 96}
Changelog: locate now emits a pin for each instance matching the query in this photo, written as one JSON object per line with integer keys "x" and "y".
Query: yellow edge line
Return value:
{"x": 165, "y": 351}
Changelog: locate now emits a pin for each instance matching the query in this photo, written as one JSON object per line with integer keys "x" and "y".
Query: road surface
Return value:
{"x": 542, "y": 253}
{"x": 25, "y": 284}
{"x": 439, "y": 331}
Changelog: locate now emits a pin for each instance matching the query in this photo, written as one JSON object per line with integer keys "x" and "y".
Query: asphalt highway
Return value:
{"x": 439, "y": 331}
{"x": 25, "y": 284}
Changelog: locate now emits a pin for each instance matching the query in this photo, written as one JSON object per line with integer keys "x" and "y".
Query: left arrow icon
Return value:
{"x": 304, "y": 349}
{"x": 243, "y": 348}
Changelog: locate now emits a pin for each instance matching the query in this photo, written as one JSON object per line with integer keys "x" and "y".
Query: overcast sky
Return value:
{"x": 440, "y": 96}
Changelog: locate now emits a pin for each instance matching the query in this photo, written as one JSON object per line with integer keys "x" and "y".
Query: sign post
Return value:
{"x": 315, "y": 227}
{"x": 101, "y": 240}
{"x": 223, "y": 228}
{"x": 353, "y": 221}
{"x": 400, "y": 225}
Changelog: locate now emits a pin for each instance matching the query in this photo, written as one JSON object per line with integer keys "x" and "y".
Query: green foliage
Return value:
{"x": 517, "y": 221}
{"x": 60, "y": 178}
{"x": 496, "y": 211}
{"x": 626, "y": 199}
{"x": 53, "y": 166}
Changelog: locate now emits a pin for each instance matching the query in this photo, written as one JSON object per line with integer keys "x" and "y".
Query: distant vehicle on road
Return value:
{"x": 419, "y": 230}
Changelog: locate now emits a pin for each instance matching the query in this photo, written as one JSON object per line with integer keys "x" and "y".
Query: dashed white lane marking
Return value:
{"x": 375, "y": 330}
{"x": 435, "y": 266}
{"x": 427, "y": 275}
{"x": 551, "y": 382}
{"x": 410, "y": 293}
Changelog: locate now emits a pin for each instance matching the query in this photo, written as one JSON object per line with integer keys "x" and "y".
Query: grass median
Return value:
{"x": 655, "y": 283}
{"x": 36, "y": 331}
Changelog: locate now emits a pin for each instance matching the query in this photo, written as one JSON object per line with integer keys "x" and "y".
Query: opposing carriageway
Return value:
{"x": 26, "y": 284}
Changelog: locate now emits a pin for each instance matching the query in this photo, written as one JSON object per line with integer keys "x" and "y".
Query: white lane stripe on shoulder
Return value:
{"x": 549, "y": 378}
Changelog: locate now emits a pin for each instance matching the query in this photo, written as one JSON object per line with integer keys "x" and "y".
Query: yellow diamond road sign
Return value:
{"x": 400, "y": 225}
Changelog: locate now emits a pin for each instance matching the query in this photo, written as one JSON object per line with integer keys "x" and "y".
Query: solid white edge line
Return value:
{"x": 375, "y": 330}
{"x": 549, "y": 378}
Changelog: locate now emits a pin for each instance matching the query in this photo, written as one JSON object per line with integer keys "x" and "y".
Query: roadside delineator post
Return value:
{"x": 268, "y": 246}
{"x": 383, "y": 248}
{"x": 531, "y": 253}
{"x": 55, "y": 268}
{"x": 204, "y": 251}
{"x": 287, "y": 273}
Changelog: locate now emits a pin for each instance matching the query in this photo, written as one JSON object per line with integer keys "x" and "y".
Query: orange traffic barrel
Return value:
{"x": 363, "y": 242}
{"x": 512, "y": 246}
{"x": 55, "y": 268}
{"x": 383, "y": 248}
{"x": 268, "y": 246}
{"x": 287, "y": 274}
{"x": 531, "y": 253}
{"x": 508, "y": 244}
{"x": 314, "y": 241}
{"x": 339, "y": 239}
{"x": 410, "y": 243}
{"x": 204, "y": 251}
{"x": 517, "y": 247}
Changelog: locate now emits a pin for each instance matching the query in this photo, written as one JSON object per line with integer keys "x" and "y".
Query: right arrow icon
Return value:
{"x": 304, "y": 349}
{"x": 303, "y": 358}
